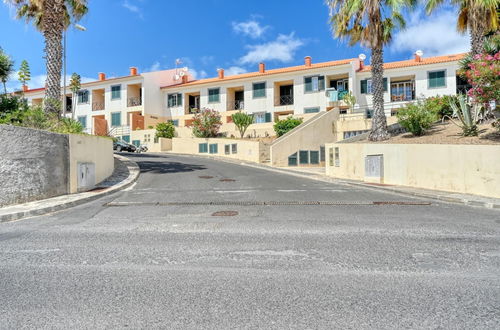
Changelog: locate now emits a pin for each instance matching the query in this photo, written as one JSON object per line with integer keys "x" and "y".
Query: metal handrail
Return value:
{"x": 134, "y": 101}
{"x": 239, "y": 105}
{"x": 286, "y": 99}
{"x": 96, "y": 106}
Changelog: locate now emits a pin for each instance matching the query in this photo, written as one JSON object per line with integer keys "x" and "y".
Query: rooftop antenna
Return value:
{"x": 179, "y": 72}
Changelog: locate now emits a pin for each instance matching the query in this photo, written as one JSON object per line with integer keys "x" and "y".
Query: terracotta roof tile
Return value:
{"x": 424, "y": 61}
{"x": 266, "y": 73}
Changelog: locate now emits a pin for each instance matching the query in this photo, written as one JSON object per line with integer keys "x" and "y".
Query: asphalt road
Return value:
{"x": 154, "y": 256}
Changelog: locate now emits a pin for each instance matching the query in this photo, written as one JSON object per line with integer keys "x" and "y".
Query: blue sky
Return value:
{"x": 209, "y": 34}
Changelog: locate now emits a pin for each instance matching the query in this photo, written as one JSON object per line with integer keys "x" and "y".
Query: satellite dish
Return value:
{"x": 362, "y": 57}
{"x": 419, "y": 53}
{"x": 177, "y": 77}
{"x": 182, "y": 73}
{"x": 185, "y": 69}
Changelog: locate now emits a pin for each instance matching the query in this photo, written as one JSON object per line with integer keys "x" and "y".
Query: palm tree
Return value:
{"x": 477, "y": 16}
{"x": 51, "y": 17}
{"x": 371, "y": 23}
{"x": 6, "y": 68}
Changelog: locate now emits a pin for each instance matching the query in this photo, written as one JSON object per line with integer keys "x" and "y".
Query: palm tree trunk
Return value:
{"x": 4, "y": 87}
{"x": 379, "y": 123}
{"x": 53, "y": 25}
{"x": 476, "y": 39}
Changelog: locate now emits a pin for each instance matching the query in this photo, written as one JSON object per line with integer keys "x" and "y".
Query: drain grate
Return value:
{"x": 270, "y": 203}
{"x": 227, "y": 180}
{"x": 206, "y": 177}
{"x": 224, "y": 214}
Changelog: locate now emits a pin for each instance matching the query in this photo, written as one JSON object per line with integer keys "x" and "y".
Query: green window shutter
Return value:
{"x": 268, "y": 117}
{"x": 214, "y": 148}
{"x": 116, "y": 119}
{"x": 202, "y": 148}
{"x": 304, "y": 157}
{"x": 311, "y": 110}
{"x": 292, "y": 160}
{"x": 385, "y": 84}
{"x": 213, "y": 95}
{"x": 116, "y": 92}
{"x": 314, "y": 155}
{"x": 364, "y": 86}
{"x": 308, "y": 84}
{"x": 83, "y": 121}
{"x": 321, "y": 83}
{"x": 179, "y": 99}
{"x": 126, "y": 138}
{"x": 136, "y": 143}
{"x": 259, "y": 90}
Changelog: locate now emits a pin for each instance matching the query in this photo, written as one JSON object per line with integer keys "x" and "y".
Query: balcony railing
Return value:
{"x": 286, "y": 99}
{"x": 192, "y": 110}
{"x": 134, "y": 101}
{"x": 96, "y": 106}
{"x": 402, "y": 97}
{"x": 69, "y": 108}
{"x": 238, "y": 105}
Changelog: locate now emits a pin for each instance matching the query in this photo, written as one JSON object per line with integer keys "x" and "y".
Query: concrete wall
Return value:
{"x": 38, "y": 164}
{"x": 90, "y": 149}
{"x": 253, "y": 151}
{"x": 33, "y": 165}
{"x": 308, "y": 136}
{"x": 471, "y": 169}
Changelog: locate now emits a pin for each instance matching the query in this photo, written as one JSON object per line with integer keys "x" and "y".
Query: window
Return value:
{"x": 136, "y": 143}
{"x": 330, "y": 157}
{"x": 116, "y": 119}
{"x": 292, "y": 160}
{"x": 174, "y": 100}
{"x": 213, "y": 148}
{"x": 116, "y": 92}
{"x": 175, "y": 122}
{"x": 314, "y": 84}
{"x": 368, "y": 113}
{"x": 304, "y": 157}
{"x": 311, "y": 110}
{"x": 337, "y": 157}
{"x": 213, "y": 95}
{"x": 262, "y": 117}
{"x": 126, "y": 138}
{"x": 436, "y": 79}
{"x": 314, "y": 157}
{"x": 83, "y": 121}
{"x": 83, "y": 97}
{"x": 259, "y": 90}
{"x": 402, "y": 91}
{"x": 227, "y": 149}
{"x": 366, "y": 86}
{"x": 350, "y": 134}
{"x": 147, "y": 138}
{"x": 234, "y": 148}
{"x": 203, "y": 148}
{"x": 322, "y": 153}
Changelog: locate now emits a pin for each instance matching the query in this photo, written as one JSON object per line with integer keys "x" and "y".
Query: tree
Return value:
{"x": 6, "y": 68}
{"x": 281, "y": 127}
{"x": 477, "y": 16}
{"x": 371, "y": 23}
{"x": 165, "y": 130}
{"x": 24, "y": 73}
{"x": 51, "y": 18}
{"x": 74, "y": 86}
{"x": 242, "y": 121}
{"x": 206, "y": 123}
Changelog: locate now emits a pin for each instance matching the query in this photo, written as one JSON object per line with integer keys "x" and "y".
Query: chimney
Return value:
{"x": 307, "y": 61}
{"x": 361, "y": 64}
{"x": 102, "y": 76}
{"x": 262, "y": 68}
{"x": 184, "y": 79}
{"x": 418, "y": 56}
{"x": 133, "y": 71}
{"x": 221, "y": 73}
{"x": 25, "y": 88}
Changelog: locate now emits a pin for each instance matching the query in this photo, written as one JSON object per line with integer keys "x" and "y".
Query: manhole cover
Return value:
{"x": 227, "y": 180}
{"x": 224, "y": 214}
{"x": 206, "y": 177}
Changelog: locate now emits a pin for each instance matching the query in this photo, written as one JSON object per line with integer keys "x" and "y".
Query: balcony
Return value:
{"x": 97, "y": 106}
{"x": 286, "y": 100}
{"x": 134, "y": 101}
{"x": 235, "y": 98}
{"x": 238, "y": 105}
{"x": 402, "y": 90}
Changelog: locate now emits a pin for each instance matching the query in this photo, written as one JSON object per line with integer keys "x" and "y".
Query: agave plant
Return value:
{"x": 469, "y": 116}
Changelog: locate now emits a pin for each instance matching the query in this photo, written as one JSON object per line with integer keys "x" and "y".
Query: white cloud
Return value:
{"x": 38, "y": 81}
{"x": 205, "y": 60}
{"x": 233, "y": 70}
{"x": 198, "y": 74}
{"x": 132, "y": 8}
{"x": 250, "y": 28}
{"x": 155, "y": 67}
{"x": 434, "y": 35}
{"x": 282, "y": 49}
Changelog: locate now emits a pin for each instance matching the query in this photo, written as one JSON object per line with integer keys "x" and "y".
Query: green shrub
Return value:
{"x": 441, "y": 105}
{"x": 281, "y": 127}
{"x": 416, "y": 118}
{"x": 206, "y": 123}
{"x": 165, "y": 130}
{"x": 242, "y": 121}
{"x": 9, "y": 105}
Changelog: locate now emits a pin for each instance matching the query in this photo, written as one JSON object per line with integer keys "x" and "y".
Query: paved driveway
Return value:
{"x": 155, "y": 256}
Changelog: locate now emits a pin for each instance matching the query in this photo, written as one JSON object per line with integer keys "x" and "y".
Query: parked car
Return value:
{"x": 123, "y": 146}
{"x": 142, "y": 148}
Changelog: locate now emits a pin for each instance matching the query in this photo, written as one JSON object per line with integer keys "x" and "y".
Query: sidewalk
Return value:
{"x": 125, "y": 173}
{"x": 318, "y": 173}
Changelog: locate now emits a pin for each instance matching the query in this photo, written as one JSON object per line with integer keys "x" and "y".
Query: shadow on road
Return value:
{"x": 167, "y": 167}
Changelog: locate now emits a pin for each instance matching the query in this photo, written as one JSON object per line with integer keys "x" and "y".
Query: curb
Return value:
{"x": 442, "y": 196}
{"x": 23, "y": 210}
